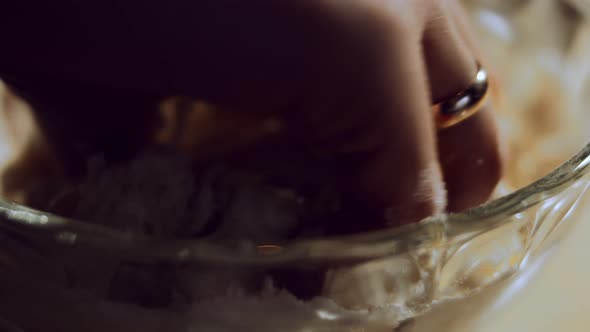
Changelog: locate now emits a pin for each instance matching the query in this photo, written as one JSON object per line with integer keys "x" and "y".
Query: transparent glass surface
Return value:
{"x": 375, "y": 281}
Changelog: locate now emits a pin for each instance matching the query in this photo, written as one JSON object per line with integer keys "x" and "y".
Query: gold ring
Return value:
{"x": 464, "y": 104}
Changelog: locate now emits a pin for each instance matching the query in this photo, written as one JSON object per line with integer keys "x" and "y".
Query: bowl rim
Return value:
{"x": 434, "y": 231}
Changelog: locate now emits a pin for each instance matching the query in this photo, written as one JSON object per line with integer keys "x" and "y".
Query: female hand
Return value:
{"x": 354, "y": 80}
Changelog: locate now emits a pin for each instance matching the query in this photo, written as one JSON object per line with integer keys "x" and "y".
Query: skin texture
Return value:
{"x": 354, "y": 79}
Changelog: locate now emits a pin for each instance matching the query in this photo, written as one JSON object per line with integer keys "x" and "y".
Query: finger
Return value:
{"x": 468, "y": 152}
{"x": 460, "y": 18}
{"x": 376, "y": 117}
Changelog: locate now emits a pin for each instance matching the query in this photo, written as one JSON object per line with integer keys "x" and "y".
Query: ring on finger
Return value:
{"x": 465, "y": 103}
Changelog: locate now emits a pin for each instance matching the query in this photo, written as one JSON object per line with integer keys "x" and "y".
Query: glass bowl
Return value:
{"x": 375, "y": 279}
{"x": 57, "y": 273}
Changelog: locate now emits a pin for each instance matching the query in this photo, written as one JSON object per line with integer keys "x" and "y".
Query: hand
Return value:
{"x": 354, "y": 79}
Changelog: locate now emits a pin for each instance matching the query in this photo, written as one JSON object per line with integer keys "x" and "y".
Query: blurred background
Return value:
{"x": 541, "y": 51}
